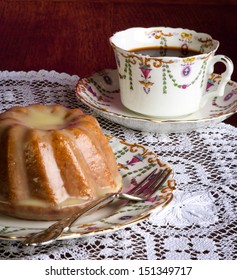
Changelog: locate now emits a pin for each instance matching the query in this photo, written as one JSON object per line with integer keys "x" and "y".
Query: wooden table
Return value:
{"x": 72, "y": 36}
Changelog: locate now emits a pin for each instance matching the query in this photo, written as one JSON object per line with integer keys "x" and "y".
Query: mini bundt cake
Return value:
{"x": 53, "y": 161}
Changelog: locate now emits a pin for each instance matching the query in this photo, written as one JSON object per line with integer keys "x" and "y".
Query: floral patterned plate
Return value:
{"x": 101, "y": 92}
{"x": 135, "y": 162}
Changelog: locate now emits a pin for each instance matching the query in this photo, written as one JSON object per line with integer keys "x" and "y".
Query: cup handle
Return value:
{"x": 225, "y": 77}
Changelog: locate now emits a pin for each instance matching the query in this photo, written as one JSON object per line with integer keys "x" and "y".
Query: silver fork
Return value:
{"x": 141, "y": 192}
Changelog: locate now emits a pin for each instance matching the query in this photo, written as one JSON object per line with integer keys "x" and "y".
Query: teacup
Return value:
{"x": 164, "y": 71}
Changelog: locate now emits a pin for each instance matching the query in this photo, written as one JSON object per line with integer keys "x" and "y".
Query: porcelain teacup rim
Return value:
{"x": 215, "y": 42}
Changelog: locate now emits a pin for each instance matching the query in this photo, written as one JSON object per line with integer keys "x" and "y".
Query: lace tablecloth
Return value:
{"x": 200, "y": 222}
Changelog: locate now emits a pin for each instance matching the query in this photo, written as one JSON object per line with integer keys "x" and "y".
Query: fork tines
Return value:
{"x": 148, "y": 186}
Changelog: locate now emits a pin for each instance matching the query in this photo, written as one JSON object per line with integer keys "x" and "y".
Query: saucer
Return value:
{"x": 101, "y": 92}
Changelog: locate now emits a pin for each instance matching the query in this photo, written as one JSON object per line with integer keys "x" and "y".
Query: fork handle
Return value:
{"x": 55, "y": 230}
{"x": 90, "y": 208}
{"x": 99, "y": 203}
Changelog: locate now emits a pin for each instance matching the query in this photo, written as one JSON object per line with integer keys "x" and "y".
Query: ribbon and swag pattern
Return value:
{"x": 185, "y": 72}
{"x": 147, "y": 64}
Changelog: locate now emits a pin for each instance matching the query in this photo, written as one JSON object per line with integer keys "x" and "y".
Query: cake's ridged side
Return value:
{"x": 97, "y": 153}
{"x": 44, "y": 177}
{"x": 72, "y": 166}
{"x": 11, "y": 164}
{"x": 4, "y": 182}
{"x": 16, "y": 174}
{"x": 92, "y": 129}
{"x": 95, "y": 131}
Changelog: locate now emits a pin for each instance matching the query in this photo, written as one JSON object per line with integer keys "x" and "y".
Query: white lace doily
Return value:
{"x": 200, "y": 222}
